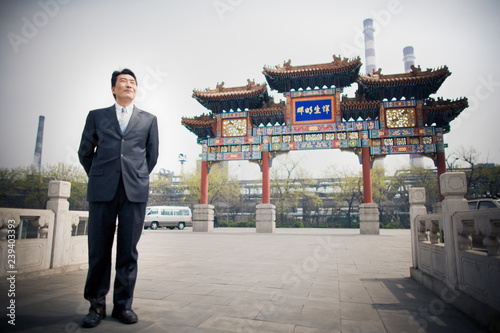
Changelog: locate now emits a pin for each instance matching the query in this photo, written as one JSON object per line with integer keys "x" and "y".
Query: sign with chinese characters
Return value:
{"x": 312, "y": 122}
{"x": 313, "y": 110}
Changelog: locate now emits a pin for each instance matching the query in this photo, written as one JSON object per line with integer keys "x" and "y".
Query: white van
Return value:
{"x": 168, "y": 216}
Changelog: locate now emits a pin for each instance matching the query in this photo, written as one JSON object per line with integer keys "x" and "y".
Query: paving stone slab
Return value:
{"x": 293, "y": 280}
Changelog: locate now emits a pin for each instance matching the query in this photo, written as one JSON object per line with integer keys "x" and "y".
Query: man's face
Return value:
{"x": 125, "y": 87}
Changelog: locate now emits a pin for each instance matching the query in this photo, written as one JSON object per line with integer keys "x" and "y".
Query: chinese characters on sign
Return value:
{"x": 313, "y": 110}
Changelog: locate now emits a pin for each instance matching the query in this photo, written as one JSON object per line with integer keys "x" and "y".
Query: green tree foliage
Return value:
{"x": 486, "y": 182}
{"x": 394, "y": 208}
{"x": 25, "y": 187}
{"x": 191, "y": 186}
{"x": 380, "y": 185}
{"x": 163, "y": 193}
{"x": 223, "y": 190}
{"x": 78, "y": 179}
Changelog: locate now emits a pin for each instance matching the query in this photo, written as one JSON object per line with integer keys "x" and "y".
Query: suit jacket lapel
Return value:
{"x": 134, "y": 120}
{"x": 111, "y": 114}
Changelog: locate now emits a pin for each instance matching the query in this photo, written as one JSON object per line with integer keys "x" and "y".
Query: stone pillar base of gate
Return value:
{"x": 369, "y": 219}
{"x": 203, "y": 218}
{"x": 265, "y": 218}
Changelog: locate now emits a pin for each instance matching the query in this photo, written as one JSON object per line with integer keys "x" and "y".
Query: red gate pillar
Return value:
{"x": 265, "y": 215}
{"x": 266, "y": 184}
{"x": 441, "y": 168}
{"x": 203, "y": 214}
{"x": 368, "y": 211}
{"x": 367, "y": 176}
{"x": 204, "y": 183}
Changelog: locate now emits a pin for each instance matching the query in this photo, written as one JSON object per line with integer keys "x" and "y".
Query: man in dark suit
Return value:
{"x": 118, "y": 150}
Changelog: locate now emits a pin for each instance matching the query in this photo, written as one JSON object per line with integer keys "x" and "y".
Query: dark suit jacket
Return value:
{"x": 106, "y": 153}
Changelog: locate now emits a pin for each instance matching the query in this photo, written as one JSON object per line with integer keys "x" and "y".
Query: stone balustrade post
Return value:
{"x": 453, "y": 187}
{"x": 59, "y": 192}
{"x": 417, "y": 207}
{"x": 203, "y": 218}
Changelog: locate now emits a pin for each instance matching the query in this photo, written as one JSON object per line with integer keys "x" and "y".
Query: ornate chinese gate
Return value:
{"x": 389, "y": 114}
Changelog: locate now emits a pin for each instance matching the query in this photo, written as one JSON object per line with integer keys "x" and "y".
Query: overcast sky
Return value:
{"x": 57, "y": 56}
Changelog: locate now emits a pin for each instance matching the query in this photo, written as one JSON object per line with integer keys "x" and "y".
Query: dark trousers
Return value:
{"x": 101, "y": 231}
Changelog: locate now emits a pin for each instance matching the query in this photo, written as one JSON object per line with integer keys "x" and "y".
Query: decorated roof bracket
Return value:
{"x": 389, "y": 114}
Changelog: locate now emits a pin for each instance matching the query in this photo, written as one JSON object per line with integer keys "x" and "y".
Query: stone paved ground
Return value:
{"x": 235, "y": 280}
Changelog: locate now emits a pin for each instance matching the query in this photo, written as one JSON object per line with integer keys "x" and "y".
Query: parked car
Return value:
{"x": 168, "y": 216}
{"x": 484, "y": 203}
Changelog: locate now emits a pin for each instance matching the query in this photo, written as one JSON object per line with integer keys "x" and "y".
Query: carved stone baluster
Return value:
{"x": 3, "y": 227}
{"x": 43, "y": 224}
{"x": 421, "y": 229}
{"x": 492, "y": 244}
{"x": 464, "y": 234}
{"x": 433, "y": 227}
{"x": 437, "y": 208}
{"x": 491, "y": 230}
{"x": 43, "y": 231}
{"x": 4, "y": 223}
{"x": 75, "y": 220}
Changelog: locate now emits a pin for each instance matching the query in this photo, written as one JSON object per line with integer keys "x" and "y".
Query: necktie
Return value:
{"x": 122, "y": 121}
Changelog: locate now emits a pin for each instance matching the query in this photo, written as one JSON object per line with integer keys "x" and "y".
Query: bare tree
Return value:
{"x": 347, "y": 192}
{"x": 308, "y": 197}
{"x": 283, "y": 193}
{"x": 482, "y": 177}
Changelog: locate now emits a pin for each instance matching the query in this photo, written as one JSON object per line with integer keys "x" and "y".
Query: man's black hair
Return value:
{"x": 115, "y": 74}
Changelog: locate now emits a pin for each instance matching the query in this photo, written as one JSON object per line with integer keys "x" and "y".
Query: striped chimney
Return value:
{"x": 369, "y": 46}
{"x": 408, "y": 58}
{"x": 370, "y": 62}
{"x": 416, "y": 160}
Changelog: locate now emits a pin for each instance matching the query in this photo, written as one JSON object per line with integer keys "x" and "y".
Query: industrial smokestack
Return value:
{"x": 37, "y": 159}
{"x": 416, "y": 160}
{"x": 408, "y": 58}
{"x": 370, "y": 63}
{"x": 369, "y": 46}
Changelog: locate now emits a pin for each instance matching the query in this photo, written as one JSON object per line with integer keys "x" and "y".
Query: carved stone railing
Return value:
{"x": 485, "y": 223}
{"x": 430, "y": 249}
{"x": 78, "y": 243}
{"x": 429, "y": 228}
{"x": 26, "y": 255}
{"x": 49, "y": 243}
{"x": 444, "y": 258}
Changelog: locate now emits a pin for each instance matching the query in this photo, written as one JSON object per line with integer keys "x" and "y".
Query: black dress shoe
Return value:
{"x": 125, "y": 316}
{"x": 94, "y": 317}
